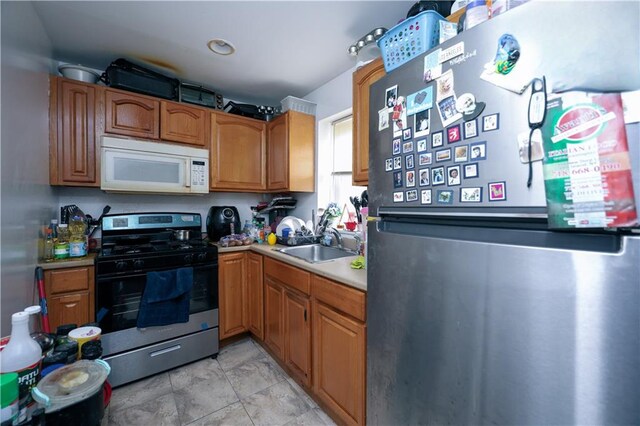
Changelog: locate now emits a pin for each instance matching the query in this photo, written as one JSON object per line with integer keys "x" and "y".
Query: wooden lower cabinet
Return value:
{"x": 232, "y": 289}
{"x": 314, "y": 326}
{"x": 273, "y": 327}
{"x": 339, "y": 363}
{"x": 70, "y": 295}
{"x": 297, "y": 335}
{"x": 255, "y": 295}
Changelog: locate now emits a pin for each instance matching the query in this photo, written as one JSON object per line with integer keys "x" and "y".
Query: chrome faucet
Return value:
{"x": 338, "y": 236}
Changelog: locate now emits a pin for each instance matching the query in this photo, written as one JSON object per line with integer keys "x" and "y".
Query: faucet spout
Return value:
{"x": 338, "y": 236}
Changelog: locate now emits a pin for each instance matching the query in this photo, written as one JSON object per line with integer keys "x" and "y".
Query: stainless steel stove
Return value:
{"x": 132, "y": 246}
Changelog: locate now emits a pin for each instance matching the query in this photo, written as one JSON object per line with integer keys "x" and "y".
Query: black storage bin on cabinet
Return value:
{"x": 123, "y": 74}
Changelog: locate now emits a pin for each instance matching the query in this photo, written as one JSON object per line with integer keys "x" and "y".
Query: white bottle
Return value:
{"x": 22, "y": 355}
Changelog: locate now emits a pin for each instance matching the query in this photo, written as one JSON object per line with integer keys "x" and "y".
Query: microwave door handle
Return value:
{"x": 188, "y": 174}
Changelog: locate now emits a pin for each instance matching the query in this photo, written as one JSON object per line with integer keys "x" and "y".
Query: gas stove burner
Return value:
{"x": 137, "y": 250}
{"x": 149, "y": 234}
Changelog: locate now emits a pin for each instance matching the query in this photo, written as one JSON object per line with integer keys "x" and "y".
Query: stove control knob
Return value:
{"x": 138, "y": 264}
{"x": 188, "y": 258}
{"x": 202, "y": 256}
{"x": 120, "y": 265}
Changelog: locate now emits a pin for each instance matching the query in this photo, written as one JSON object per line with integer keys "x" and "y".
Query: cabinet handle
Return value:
{"x": 305, "y": 315}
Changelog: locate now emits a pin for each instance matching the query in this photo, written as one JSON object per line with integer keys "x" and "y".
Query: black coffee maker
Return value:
{"x": 222, "y": 221}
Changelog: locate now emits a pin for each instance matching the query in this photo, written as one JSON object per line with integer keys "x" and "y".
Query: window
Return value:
{"x": 334, "y": 161}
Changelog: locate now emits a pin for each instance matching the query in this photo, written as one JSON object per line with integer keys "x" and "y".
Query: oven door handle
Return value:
{"x": 165, "y": 350}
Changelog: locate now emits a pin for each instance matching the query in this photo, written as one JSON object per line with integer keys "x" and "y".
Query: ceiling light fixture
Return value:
{"x": 221, "y": 47}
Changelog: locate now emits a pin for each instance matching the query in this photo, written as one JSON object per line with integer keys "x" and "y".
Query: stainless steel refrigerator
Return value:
{"x": 477, "y": 312}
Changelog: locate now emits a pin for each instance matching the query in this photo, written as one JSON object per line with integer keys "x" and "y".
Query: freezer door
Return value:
{"x": 575, "y": 53}
{"x": 484, "y": 326}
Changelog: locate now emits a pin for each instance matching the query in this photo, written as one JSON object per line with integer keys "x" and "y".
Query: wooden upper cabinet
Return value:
{"x": 278, "y": 153}
{"x": 291, "y": 163}
{"x": 182, "y": 123}
{"x": 132, "y": 115}
{"x": 238, "y": 153}
{"x": 232, "y": 288}
{"x": 363, "y": 78}
{"x": 74, "y": 129}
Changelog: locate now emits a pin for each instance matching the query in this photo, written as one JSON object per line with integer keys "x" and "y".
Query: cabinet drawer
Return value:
{"x": 289, "y": 275}
{"x": 68, "y": 280}
{"x": 343, "y": 298}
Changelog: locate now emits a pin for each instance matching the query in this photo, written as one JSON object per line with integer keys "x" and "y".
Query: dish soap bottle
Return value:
{"x": 271, "y": 239}
{"x": 22, "y": 355}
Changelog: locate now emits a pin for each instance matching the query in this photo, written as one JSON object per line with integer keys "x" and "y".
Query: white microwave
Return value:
{"x": 129, "y": 165}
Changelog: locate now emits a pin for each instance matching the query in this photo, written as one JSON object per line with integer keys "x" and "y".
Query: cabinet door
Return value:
{"x": 301, "y": 151}
{"x": 278, "y": 162}
{"x": 238, "y": 153}
{"x": 339, "y": 363}
{"x": 70, "y": 293}
{"x": 273, "y": 330}
{"x": 232, "y": 285}
{"x": 132, "y": 115}
{"x": 69, "y": 309}
{"x": 297, "y": 332}
{"x": 255, "y": 295}
{"x": 363, "y": 78}
{"x": 73, "y": 148}
{"x": 181, "y": 123}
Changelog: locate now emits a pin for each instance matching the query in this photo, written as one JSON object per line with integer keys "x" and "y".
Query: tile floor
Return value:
{"x": 244, "y": 386}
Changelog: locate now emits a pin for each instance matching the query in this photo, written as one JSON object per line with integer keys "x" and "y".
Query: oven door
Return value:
{"x": 118, "y": 300}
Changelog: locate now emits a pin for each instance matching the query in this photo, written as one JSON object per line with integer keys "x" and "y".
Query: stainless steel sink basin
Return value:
{"x": 315, "y": 253}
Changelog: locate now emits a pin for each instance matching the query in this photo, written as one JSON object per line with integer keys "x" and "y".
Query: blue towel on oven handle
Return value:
{"x": 166, "y": 298}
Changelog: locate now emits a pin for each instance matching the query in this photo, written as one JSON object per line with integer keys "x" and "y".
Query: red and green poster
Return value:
{"x": 587, "y": 169}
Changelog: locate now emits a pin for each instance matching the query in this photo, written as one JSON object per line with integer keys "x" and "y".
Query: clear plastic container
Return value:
{"x": 71, "y": 384}
{"x": 297, "y": 104}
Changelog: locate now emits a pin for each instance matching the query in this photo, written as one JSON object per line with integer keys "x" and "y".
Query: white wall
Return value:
{"x": 27, "y": 201}
{"x": 330, "y": 98}
{"x": 92, "y": 201}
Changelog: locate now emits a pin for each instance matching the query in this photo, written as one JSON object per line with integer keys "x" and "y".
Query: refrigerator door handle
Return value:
{"x": 382, "y": 211}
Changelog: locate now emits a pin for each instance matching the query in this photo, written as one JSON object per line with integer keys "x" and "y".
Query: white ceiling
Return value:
{"x": 283, "y": 47}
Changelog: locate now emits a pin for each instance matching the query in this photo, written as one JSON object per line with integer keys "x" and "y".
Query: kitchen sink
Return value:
{"x": 315, "y": 253}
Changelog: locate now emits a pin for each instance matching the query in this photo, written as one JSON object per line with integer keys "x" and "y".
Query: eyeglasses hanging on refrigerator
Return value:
{"x": 537, "y": 114}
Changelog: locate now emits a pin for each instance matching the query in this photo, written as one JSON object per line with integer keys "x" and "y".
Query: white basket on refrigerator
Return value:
{"x": 297, "y": 104}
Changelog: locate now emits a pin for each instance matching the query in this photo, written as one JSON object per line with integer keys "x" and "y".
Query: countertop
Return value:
{"x": 69, "y": 263}
{"x": 338, "y": 270}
